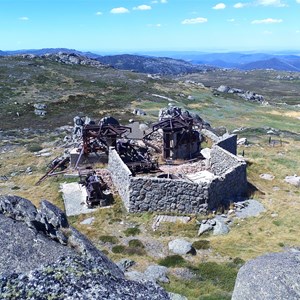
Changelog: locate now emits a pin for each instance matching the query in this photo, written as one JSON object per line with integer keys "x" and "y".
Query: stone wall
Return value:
{"x": 121, "y": 175}
{"x": 228, "y": 142}
{"x": 232, "y": 177}
{"x": 167, "y": 195}
{"x": 146, "y": 193}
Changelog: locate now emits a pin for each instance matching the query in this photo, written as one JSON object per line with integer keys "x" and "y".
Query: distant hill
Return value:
{"x": 152, "y": 65}
{"x": 236, "y": 60}
{"x": 273, "y": 63}
{"x": 44, "y": 51}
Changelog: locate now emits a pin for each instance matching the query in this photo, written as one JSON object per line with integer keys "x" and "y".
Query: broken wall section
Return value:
{"x": 232, "y": 177}
{"x": 120, "y": 174}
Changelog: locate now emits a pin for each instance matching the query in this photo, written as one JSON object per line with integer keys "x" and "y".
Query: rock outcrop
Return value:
{"x": 42, "y": 255}
{"x": 247, "y": 95}
{"x": 269, "y": 277}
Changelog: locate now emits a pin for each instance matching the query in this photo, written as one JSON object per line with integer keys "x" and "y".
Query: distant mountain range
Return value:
{"x": 242, "y": 61}
{"x": 152, "y": 65}
{"x": 173, "y": 63}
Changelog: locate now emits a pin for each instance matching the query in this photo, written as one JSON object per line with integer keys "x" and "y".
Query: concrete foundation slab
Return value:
{"x": 74, "y": 196}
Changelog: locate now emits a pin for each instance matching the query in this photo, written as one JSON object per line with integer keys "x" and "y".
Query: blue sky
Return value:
{"x": 141, "y": 25}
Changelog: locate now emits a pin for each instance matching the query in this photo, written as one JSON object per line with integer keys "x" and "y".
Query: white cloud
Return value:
{"x": 24, "y": 18}
{"x": 194, "y": 21}
{"x": 298, "y": 1}
{"x": 154, "y": 25}
{"x": 99, "y": 13}
{"x": 142, "y": 7}
{"x": 230, "y": 20}
{"x": 297, "y": 31}
{"x": 163, "y": 1}
{"x": 119, "y": 10}
{"x": 219, "y": 6}
{"x": 267, "y": 21}
{"x": 240, "y": 5}
{"x": 277, "y": 3}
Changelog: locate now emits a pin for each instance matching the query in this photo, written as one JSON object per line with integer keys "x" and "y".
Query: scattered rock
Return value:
{"x": 294, "y": 180}
{"x": 181, "y": 247}
{"x": 269, "y": 277}
{"x": 125, "y": 263}
{"x": 242, "y": 141}
{"x": 139, "y": 112}
{"x": 267, "y": 176}
{"x": 249, "y": 208}
{"x": 220, "y": 228}
{"x": 205, "y": 226}
{"x": 88, "y": 221}
{"x": 157, "y": 273}
{"x": 174, "y": 296}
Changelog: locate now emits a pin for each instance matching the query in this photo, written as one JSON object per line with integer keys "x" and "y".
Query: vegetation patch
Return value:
{"x": 221, "y": 275}
{"x": 34, "y": 147}
{"x": 132, "y": 231}
{"x": 118, "y": 249}
{"x": 108, "y": 239}
{"x": 201, "y": 244}
{"x": 172, "y": 261}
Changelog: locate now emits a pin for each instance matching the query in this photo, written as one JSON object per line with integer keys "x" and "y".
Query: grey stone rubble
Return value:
{"x": 267, "y": 176}
{"x": 39, "y": 248}
{"x": 183, "y": 195}
{"x": 88, "y": 221}
{"x": 170, "y": 219}
{"x": 181, "y": 247}
{"x": 269, "y": 277}
{"x": 220, "y": 224}
{"x": 248, "y": 208}
{"x": 294, "y": 180}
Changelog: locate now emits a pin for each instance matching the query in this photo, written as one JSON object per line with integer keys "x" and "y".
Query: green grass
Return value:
{"x": 172, "y": 261}
{"x": 201, "y": 244}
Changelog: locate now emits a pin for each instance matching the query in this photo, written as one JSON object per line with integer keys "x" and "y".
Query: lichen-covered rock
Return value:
{"x": 76, "y": 278}
{"x": 43, "y": 257}
{"x": 269, "y": 277}
{"x": 181, "y": 247}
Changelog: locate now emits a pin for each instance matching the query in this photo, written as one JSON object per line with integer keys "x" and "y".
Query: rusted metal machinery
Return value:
{"x": 137, "y": 158}
{"x": 180, "y": 140}
{"x": 58, "y": 163}
{"x": 100, "y": 137}
{"x": 97, "y": 190}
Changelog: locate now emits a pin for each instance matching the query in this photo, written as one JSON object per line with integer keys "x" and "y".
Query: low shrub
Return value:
{"x": 132, "y": 231}
{"x": 172, "y": 261}
{"x": 34, "y": 147}
{"x": 201, "y": 244}
{"x": 118, "y": 249}
{"x": 135, "y": 243}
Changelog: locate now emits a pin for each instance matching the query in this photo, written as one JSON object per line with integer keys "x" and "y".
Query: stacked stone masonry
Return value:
{"x": 141, "y": 194}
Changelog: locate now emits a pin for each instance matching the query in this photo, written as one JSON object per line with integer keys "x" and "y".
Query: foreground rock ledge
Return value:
{"x": 43, "y": 257}
{"x": 273, "y": 276}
